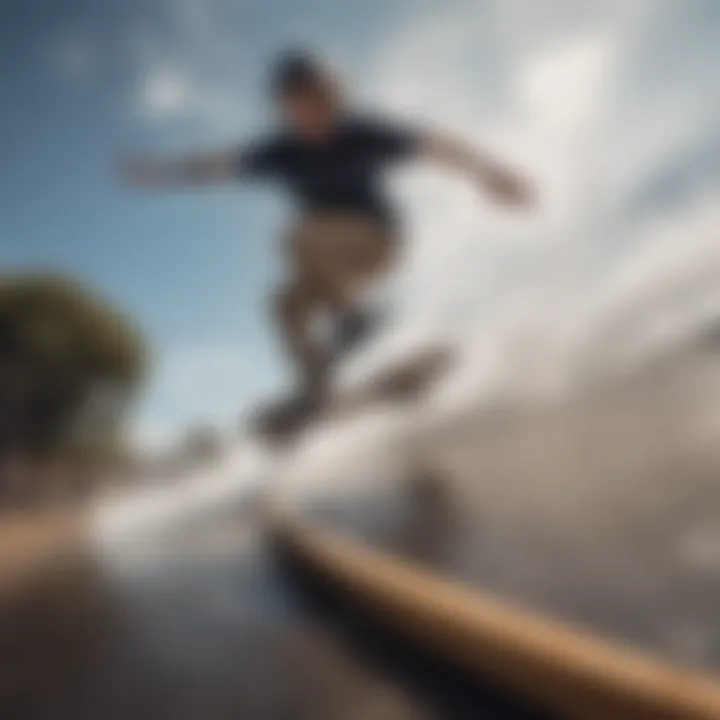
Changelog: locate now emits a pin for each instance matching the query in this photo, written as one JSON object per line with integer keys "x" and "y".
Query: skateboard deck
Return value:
{"x": 401, "y": 381}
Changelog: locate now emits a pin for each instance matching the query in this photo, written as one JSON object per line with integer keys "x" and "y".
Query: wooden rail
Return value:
{"x": 554, "y": 666}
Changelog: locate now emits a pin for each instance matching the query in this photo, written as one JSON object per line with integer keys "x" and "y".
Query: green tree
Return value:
{"x": 69, "y": 366}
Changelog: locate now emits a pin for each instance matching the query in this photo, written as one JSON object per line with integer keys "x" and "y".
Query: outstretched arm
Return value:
{"x": 499, "y": 182}
{"x": 156, "y": 172}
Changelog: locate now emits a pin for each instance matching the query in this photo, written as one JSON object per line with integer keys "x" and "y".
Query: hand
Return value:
{"x": 507, "y": 188}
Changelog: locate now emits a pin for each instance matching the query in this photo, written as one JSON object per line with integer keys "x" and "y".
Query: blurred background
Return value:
{"x": 578, "y": 422}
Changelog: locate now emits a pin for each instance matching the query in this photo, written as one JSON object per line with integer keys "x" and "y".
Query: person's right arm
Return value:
{"x": 201, "y": 169}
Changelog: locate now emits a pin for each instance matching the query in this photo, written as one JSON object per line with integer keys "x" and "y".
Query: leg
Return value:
{"x": 332, "y": 259}
{"x": 319, "y": 255}
{"x": 295, "y": 308}
{"x": 357, "y": 252}
{"x": 364, "y": 253}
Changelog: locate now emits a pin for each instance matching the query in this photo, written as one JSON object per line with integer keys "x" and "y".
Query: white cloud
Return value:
{"x": 186, "y": 70}
{"x": 533, "y": 107}
{"x": 166, "y": 91}
{"x": 563, "y": 86}
{"x": 584, "y": 119}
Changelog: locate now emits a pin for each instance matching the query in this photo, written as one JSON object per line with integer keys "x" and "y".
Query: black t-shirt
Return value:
{"x": 341, "y": 174}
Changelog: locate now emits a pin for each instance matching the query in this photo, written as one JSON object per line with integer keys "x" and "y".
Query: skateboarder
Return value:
{"x": 329, "y": 158}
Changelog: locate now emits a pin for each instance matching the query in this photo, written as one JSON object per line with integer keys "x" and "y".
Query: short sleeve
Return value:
{"x": 258, "y": 160}
{"x": 392, "y": 141}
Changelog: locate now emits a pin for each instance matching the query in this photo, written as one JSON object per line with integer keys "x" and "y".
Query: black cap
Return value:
{"x": 296, "y": 70}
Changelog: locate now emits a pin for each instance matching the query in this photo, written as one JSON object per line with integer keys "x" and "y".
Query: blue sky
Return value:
{"x": 612, "y": 106}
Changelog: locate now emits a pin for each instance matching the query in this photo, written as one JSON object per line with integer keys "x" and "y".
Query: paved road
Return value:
{"x": 205, "y": 626}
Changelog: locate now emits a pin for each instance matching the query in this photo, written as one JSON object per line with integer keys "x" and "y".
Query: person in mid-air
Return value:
{"x": 329, "y": 157}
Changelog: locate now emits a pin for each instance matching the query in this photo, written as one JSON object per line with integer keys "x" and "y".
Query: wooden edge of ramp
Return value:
{"x": 552, "y": 665}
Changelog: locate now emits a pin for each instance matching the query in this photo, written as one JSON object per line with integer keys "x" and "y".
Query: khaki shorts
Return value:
{"x": 338, "y": 255}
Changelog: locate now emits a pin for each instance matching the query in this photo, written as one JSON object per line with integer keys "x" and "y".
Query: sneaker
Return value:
{"x": 351, "y": 329}
{"x": 284, "y": 419}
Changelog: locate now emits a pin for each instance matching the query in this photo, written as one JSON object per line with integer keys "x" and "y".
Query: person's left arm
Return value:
{"x": 502, "y": 185}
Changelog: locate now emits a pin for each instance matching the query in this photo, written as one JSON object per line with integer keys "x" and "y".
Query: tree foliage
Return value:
{"x": 69, "y": 363}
